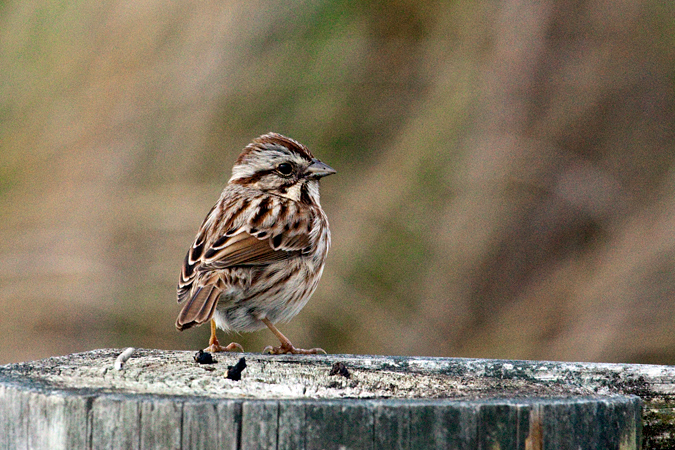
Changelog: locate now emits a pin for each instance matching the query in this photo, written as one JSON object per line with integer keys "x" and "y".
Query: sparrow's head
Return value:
{"x": 280, "y": 165}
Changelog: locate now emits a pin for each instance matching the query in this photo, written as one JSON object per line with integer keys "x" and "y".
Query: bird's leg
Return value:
{"x": 286, "y": 346}
{"x": 214, "y": 345}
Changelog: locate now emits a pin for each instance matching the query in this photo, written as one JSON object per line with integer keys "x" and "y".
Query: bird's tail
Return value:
{"x": 200, "y": 308}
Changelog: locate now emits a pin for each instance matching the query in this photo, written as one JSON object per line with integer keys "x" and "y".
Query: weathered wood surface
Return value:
{"x": 163, "y": 399}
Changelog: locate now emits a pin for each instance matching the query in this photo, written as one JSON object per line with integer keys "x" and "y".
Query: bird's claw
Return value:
{"x": 216, "y": 347}
{"x": 284, "y": 349}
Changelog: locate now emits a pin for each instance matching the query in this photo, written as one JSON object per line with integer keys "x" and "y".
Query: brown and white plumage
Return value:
{"x": 260, "y": 252}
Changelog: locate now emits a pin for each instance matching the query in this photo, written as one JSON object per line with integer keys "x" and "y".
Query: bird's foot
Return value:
{"x": 287, "y": 347}
{"x": 215, "y": 347}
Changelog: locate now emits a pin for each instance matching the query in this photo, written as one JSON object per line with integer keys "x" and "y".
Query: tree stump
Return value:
{"x": 166, "y": 400}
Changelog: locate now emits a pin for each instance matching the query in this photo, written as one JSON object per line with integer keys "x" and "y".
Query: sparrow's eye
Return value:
{"x": 285, "y": 169}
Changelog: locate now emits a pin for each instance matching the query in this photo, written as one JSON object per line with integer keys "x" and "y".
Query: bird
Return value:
{"x": 260, "y": 252}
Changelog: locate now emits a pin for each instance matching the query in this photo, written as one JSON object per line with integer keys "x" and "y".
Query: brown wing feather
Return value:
{"x": 244, "y": 250}
{"x": 193, "y": 258}
{"x": 258, "y": 240}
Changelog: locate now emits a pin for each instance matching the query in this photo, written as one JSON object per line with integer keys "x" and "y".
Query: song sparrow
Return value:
{"x": 260, "y": 252}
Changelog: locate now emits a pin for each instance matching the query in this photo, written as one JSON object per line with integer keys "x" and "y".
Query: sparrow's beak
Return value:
{"x": 318, "y": 169}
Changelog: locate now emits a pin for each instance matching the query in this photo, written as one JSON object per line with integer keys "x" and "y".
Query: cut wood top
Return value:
{"x": 175, "y": 373}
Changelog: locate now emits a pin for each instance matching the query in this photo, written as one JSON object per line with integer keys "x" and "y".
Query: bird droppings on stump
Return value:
{"x": 123, "y": 357}
{"x": 234, "y": 372}
{"x": 339, "y": 368}
{"x": 202, "y": 357}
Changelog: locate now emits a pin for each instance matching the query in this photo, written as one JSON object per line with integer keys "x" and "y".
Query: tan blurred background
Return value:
{"x": 506, "y": 183}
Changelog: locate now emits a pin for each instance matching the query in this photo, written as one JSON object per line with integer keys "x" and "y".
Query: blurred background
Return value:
{"x": 505, "y": 187}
